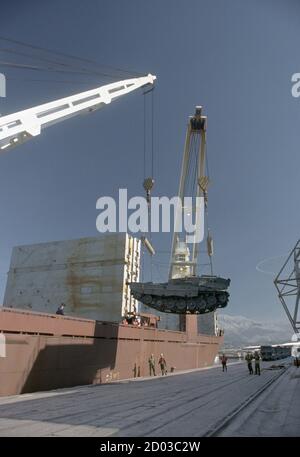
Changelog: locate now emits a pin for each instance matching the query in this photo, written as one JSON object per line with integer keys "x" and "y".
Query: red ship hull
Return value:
{"x": 45, "y": 351}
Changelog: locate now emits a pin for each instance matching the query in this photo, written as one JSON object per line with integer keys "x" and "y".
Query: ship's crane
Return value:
{"x": 287, "y": 283}
{"x": 19, "y": 127}
{"x": 185, "y": 292}
{"x": 193, "y": 183}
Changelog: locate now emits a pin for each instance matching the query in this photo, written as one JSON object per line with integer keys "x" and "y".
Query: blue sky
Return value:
{"x": 235, "y": 58}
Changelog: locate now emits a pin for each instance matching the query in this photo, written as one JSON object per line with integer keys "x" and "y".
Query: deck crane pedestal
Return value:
{"x": 185, "y": 292}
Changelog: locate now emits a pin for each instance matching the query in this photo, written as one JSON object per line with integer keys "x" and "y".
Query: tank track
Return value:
{"x": 205, "y": 302}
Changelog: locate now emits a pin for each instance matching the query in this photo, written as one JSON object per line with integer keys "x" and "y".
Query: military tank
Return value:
{"x": 190, "y": 295}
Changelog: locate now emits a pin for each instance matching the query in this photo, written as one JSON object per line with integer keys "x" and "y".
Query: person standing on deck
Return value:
{"x": 60, "y": 310}
{"x": 224, "y": 362}
{"x": 257, "y": 363}
{"x": 151, "y": 362}
{"x": 248, "y": 359}
{"x": 163, "y": 365}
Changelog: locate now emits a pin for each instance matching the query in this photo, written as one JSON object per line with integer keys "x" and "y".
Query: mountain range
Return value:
{"x": 242, "y": 331}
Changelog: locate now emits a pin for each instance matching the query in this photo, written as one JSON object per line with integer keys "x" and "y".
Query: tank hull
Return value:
{"x": 190, "y": 295}
{"x": 45, "y": 351}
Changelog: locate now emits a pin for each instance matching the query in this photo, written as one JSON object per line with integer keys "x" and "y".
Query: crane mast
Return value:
{"x": 185, "y": 292}
{"x": 19, "y": 127}
{"x": 184, "y": 259}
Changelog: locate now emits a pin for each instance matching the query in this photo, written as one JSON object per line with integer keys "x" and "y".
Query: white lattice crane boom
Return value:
{"x": 19, "y": 127}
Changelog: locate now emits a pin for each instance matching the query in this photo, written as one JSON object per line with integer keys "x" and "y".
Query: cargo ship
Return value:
{"x": 107, "y": 334}
{"x": 43, "y": 351}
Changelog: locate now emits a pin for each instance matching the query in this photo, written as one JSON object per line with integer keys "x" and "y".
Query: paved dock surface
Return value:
{"x": 198, "y": 403}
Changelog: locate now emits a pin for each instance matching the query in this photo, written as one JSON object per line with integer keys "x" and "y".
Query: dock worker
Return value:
{"x": 248, "y": 359}
{"x": 163, "y": 365}
{"x": 60, "y": 309}
{"x": 257, "y": 363}
{"x": 224, "y": 362}
{"x": 151, "y": 362}
{"x": 134, "y": 371}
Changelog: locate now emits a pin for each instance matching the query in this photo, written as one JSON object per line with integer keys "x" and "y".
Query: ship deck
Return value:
{"x": 197, "y": 403}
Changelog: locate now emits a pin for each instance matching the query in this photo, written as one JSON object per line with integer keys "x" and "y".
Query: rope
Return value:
{"x": 24, "y": 66}
{"x": 151, "y": 145}
{"x": 43, "y": 59}
{"x": 69, "y": 56}
{"x": 206, "y": 212}
{"x": 63, "y": 81}
{"x": 144, "y": 99}
{"x": 152, "y": 134}
{"x": 152, "y": 164}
